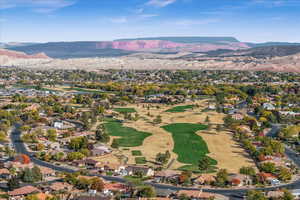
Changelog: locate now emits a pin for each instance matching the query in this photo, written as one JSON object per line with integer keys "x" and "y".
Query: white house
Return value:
{"x": 268, "y": 106}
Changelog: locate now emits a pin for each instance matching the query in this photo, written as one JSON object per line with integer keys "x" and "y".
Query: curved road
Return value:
{"x": 234, "y": 193}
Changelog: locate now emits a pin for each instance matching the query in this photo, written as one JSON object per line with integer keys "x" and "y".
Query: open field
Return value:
{"x": 125, "y": 110}
{"x": 226, "y": 151}
{"x": 129, "y": 137}
{"x": 220, "y": 145}
{"x": 189, "y": 146}
{"x": 180, "y": 108}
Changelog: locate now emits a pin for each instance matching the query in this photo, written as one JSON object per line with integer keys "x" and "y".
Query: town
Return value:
{"x": 121, "y": 134}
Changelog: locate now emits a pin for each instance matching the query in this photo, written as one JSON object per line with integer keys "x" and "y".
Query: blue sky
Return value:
{"x": 98, "y": 20}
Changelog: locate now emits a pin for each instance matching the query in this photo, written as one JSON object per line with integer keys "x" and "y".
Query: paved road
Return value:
{"x": 233, "y": 193}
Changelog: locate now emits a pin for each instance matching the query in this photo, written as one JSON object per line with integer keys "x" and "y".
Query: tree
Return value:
{"x": 97, "y": 184}
{"x": 146, "y": 191}
{"x": 284, "y": 174}
{"x": 37, "y": 175}
{"x": 222, "y": 177}
{"x": 207, "y": 119}
{"x": 32, "y": 197}
{"x": 268, "y": 167}
{"x": 102, "y": 136}
{"x": 250, "y": 171}
{"x": 163, "y": 158}
{"x": 204, "y": 163}
{"x": 28, "y": 176}
{"x": 287, "y": 195}
{"x": 75, "y": 156}
{"x": 157, "y": 120}
{"x": 115, "y": 144}
{"x": 255, "y": 195}
{"x": 13, "y": 183}
{"x": 52, "y": 135}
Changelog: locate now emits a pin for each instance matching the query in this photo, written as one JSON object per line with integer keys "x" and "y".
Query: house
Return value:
{"x": 195, "y": 194}
{"x": 211, "y": 107}
{"x": 4, "y": 173}
{"x": 112, "y": 167}
{"x": 205, "y": 179}
{"x": 23, "y": 191}
{"x": 237, "y": 116}
{"x": 133, "y": 169}
{"x": 58, "y": 125}
{"x": 296, "y": 193}
{"x": 165, "y": 193}
{"x": 275, "y": 194}
{"x": 239, "y": 180}
{"x": 165, "y": 176}
{"x": 268, "y": 106}
{"x": 99, "y": 152}
{"x": 60, "y": 186}
{"x": 110, "y": 188}
{"x": 47, "y": 172}
{"x": 91, "y": 163}
{"x": 269, "y": 178}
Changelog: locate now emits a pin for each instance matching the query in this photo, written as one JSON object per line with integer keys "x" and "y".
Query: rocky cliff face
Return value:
{"x": 15, "y": 54}
{"x": 162, "y": 45}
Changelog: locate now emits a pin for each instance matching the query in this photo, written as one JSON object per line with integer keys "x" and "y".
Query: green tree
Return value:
{"x": 250, "y": 171}
{"x": 37, "y": 175}
{"x": 222, "y": 178}
{"x": 146, "y": 191}
{"x": 204, "y": 163}
{"x": 13, "y": 183}
{"x": 268, "y": 167}
{"x": 287, "y": 195}
{"x": 28, "y": 176}
{"x": 255, "y": 195}
{"x": 115, "y": 144}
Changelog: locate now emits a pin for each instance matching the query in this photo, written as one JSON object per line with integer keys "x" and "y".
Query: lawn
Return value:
{"x": 180, "y": 108}
{"x": 136, "y": 153}
{"x": 125, "y": 110}
{"x": 195, "y": 169}
{"x": 129, "y": 137}
{"x": 189, "y": 146}
{"x": 140, "y": 160}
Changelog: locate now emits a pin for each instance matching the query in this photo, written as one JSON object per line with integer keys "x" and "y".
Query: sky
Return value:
{"x": 102, "y": 20}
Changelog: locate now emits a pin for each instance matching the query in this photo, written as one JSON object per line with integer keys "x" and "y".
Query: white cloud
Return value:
{"x": 160, "y": 3}
{"x": 145, "y": 16}
{"x": 119, "y": 20}
{"x": 43, "y": 6}
{"x": 190, "y": 22}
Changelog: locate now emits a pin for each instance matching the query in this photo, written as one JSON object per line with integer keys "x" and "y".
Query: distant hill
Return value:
{"x": 71, "y": 50}
{"x": 266, "y": 44}
{"x": 126, "y": 47}
{"x": 267, "y": 51}
{"x": 212, "y": 40}
{"x": 15, "y": 44}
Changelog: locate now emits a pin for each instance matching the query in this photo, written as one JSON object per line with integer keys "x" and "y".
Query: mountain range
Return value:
{"x": 213, "y": 52}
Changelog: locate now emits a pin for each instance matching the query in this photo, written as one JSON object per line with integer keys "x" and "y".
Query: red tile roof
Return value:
{"x": 23, "y": 191}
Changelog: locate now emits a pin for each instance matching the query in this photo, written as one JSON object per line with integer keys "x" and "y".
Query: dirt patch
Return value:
{"x": 226, "y": 151}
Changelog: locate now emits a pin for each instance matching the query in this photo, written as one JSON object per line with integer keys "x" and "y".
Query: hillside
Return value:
{"x": 72, "y": 50}
{"x": 122, "y": 47}
{"x": 188, "y": 39}
{"x": 266, "y": 51}
{"x": 17, "y": 55}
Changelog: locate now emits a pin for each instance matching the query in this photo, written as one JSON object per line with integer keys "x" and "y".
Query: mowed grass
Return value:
{"x": 180, "y": 108}
{"x": 129, "y": 137}
{"x": 125, "y": 110}
{"x": 140, "y": 160}
{"x": 189, "y": 146}
{"x": 136, "y": 153}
